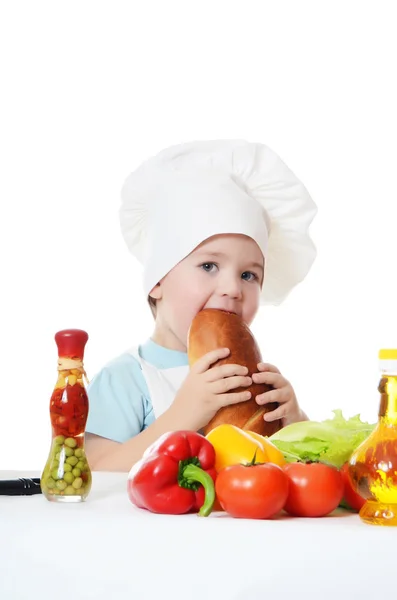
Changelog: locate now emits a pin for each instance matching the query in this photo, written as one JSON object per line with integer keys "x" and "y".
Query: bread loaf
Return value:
{"x": 212, "y": 329}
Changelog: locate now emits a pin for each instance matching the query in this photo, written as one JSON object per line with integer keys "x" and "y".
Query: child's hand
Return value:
{"x": 206, "y": 390}
{"x": 283, "y": 393}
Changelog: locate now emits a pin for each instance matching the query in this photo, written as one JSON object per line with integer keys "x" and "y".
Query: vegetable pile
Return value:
{"x": 301, "y": 469}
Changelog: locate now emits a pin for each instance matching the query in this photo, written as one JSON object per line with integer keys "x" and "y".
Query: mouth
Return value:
{"x": 226, "y": 310}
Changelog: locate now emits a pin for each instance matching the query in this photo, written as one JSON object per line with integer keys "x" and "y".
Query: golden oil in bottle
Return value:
{"x": 373, "y": 466}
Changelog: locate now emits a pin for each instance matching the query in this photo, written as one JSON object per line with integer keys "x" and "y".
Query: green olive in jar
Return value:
{"x": 54, "y": 474}
{"x": 77, "y": 483}
{"x": 68, "y": 477}
{"x": 71, "y": 442}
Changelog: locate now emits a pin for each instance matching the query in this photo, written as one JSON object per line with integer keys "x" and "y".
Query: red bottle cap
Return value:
{"x": 71, "y": 343}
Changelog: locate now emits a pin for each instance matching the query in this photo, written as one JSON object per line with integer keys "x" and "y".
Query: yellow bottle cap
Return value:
{"x": 388, "y": 354}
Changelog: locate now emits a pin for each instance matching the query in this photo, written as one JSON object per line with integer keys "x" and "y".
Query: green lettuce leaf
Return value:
{"x": 331, "y": 441}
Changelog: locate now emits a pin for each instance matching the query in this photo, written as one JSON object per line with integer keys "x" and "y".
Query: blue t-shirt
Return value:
{"x": 119, "y": 402}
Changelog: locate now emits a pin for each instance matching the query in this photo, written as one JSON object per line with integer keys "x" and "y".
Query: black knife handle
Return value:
{"x": 20, "y": 487}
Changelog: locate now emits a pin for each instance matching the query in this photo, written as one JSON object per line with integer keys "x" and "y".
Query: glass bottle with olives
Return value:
{"x": 67, "y": 476}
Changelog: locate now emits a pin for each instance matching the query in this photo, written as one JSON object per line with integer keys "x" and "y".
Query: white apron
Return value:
{"x": 163, "y": 384}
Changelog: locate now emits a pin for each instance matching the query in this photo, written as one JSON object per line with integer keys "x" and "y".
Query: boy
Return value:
{"x": 216, "y": 225}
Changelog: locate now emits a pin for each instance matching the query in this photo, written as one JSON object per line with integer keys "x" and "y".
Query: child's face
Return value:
{"x": 224, "y": 272}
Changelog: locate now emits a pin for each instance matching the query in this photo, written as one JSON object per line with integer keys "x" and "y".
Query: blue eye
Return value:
{"x": 253, "y": 276}
{"x": 207, "y": 267}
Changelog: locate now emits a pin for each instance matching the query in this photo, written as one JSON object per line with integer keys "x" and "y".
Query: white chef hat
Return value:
{"x": 190, "y": 192}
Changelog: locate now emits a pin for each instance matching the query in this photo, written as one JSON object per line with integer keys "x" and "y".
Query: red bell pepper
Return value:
{"x": 176, "y": 475}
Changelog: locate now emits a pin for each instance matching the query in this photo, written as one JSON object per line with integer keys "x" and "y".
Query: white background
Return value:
{"x": 91, "y": 89}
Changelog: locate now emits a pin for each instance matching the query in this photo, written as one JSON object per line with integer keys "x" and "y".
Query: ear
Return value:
{"x": 157, "y": 292}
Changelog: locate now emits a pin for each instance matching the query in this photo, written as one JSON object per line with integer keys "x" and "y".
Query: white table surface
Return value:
{"x": 108, "y": 549}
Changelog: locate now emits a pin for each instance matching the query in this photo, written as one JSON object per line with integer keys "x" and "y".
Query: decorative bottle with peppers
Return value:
{"x": 373, "y": 466}
{"x": 67, "y": 476}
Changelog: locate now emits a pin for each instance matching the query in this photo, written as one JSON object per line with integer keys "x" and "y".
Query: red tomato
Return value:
{"x": 354, "y": 500}
{"x": 315, "y": 490}
{"x": 256, "y": 491}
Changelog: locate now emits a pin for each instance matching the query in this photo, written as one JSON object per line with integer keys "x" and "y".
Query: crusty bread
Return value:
{"x": 212, "y": 329}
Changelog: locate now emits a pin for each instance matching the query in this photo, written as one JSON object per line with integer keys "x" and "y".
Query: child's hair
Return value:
{"x": 152, "y": 305}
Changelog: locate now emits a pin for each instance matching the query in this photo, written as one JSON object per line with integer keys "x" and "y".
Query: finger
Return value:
{"x": 281, "y": 396}
{"x": 279, "y": 413}
{"x": 233, "y": 398}
{"x": 225, "y": 371}
{"x": 267, "y": 367}
{"x": 272, "y": 378}
{"x": 230, "y": 383}
{"x": 204, "y": 363}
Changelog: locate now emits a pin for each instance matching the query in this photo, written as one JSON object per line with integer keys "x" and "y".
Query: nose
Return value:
{"x": 231, "y": 286}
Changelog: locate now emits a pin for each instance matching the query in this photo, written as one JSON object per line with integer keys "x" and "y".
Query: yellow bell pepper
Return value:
{"x": 273, "y": 454}
{"x": 233, "y": 446}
